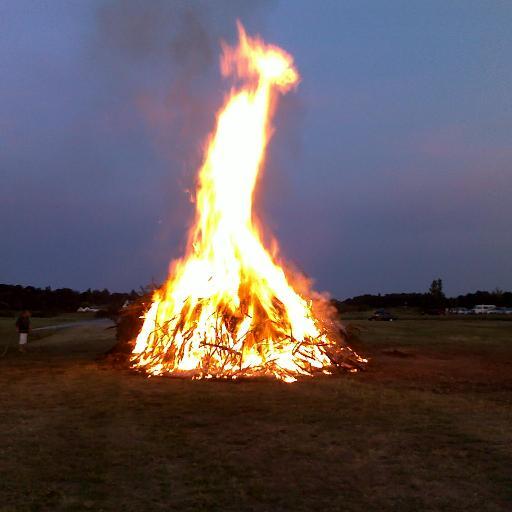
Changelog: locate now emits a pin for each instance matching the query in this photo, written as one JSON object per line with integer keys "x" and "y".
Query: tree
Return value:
{"x": 436, "y": 288}
{"x": 437, "y": 297}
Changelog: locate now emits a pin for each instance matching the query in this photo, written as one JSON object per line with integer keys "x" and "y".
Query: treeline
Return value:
{"x": 48, "y": 301}
{"x": 425, "y": 301}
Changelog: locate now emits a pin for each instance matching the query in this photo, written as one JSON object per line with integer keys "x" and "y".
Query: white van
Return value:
{"x": 483, "y": 309}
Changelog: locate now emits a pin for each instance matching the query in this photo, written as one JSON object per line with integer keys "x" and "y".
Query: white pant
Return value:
{"x": 23, "y": 338}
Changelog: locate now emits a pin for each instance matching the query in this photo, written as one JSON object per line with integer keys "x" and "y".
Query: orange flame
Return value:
{"x": 228, "y": 309}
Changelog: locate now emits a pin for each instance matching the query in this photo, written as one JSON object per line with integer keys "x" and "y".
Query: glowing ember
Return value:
{"x": 228, "y": 309}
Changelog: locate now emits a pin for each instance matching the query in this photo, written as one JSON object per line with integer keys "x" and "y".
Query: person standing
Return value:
{"x": 23, "y": 327}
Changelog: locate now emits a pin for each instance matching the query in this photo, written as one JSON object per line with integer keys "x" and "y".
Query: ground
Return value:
{"x": 426, "y": 427}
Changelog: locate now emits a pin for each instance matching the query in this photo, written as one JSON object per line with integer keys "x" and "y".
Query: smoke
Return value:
{"x": 166, "y": 55}
{"x": 180, "y": 32}
{"x": 181, "y": 38}
{"x": 160, "y": 60}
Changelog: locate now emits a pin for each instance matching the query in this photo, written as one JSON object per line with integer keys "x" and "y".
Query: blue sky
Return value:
{"x": 391, "y": 164}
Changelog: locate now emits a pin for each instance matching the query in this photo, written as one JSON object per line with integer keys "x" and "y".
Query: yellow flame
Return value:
{"x": 228, "y": 309}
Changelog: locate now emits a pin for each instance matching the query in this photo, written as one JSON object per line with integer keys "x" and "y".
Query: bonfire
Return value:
{"x": 230, "y": 308}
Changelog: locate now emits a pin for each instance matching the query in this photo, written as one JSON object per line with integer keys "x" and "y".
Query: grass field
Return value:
{"x": 427, "y": 427}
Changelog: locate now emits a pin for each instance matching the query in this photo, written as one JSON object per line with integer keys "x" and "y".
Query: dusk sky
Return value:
{"x": 391, "y": 163}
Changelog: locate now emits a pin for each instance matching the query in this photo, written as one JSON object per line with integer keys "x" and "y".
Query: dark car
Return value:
{"x": 383, "y": 316}
{"x": 434, "y": 312}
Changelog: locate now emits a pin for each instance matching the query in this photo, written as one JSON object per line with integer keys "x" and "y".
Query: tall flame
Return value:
{"x": 228, "y": 309}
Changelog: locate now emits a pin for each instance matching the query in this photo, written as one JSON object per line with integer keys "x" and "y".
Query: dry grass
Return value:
{"x": 427, "y": 427}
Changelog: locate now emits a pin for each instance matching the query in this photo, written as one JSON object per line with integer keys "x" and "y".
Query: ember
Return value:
{"x": 228, "y": 309}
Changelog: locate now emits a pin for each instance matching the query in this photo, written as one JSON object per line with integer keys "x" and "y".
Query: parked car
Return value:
{"x": 499, "y": 311}
{"x": 460, "y": 311}
{"x": 383, "y": 316}
{"x": 434, "y": 311}
{"x": 483, "y": 309}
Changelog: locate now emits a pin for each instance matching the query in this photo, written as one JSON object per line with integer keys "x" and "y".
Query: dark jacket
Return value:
{"x": 23, "y": 324}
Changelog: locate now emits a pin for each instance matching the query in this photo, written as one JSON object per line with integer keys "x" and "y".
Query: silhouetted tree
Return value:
{"x": 436, "y": 288}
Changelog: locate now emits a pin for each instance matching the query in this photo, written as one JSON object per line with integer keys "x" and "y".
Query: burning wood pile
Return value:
{"x": 228, "y": 308}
